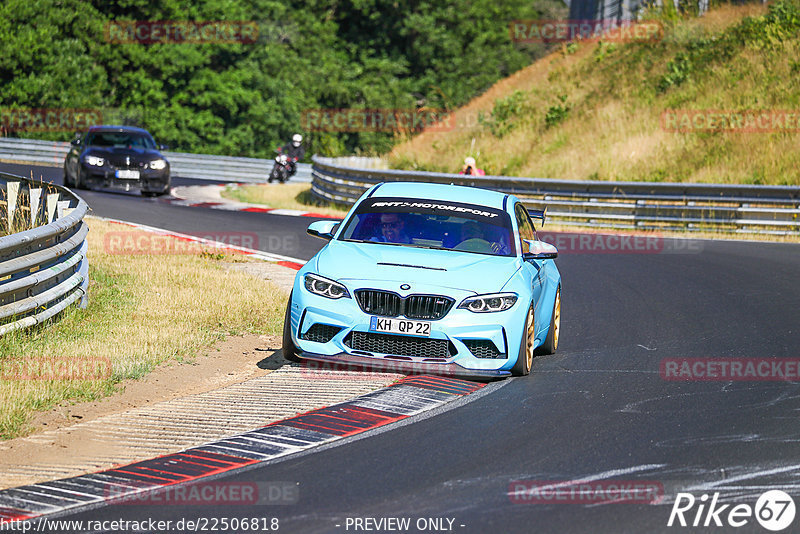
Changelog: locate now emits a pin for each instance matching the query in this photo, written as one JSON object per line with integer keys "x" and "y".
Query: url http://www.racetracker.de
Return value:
{"x": 199, "y": 524}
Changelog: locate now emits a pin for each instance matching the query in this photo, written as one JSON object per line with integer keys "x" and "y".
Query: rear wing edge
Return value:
{"x": 538, "y": 214}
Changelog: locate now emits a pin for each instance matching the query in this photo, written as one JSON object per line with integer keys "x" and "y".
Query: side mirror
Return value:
{"x": 162, "y": 147}
{"x": 539, "y": 250}
{"x": 323, "y": 229}
{"x": 76, "y": 142}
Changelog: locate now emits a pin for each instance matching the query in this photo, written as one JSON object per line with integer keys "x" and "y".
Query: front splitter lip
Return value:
{"x": 404, "y": 366}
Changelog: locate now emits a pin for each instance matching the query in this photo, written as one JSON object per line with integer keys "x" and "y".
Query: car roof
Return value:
{"x": 113, "y": 128}
{"x": 453, "y": 193}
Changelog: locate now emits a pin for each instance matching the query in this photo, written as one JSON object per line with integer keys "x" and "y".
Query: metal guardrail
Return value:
{"x": 626, "y": 205}
{"x": 182, "y": 165}
{"x": 43, "y": 269}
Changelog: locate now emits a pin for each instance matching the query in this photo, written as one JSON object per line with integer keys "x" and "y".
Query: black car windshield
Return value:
{"x": 431, "y": 224}
{"x": 121, "y": 139}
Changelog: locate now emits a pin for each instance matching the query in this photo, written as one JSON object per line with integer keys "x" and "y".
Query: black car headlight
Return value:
{"x": 325, "y": 287}
{"x": 494, "y": 302}
{"x": 94, "y": 161}
{"x": 158, "y": 164}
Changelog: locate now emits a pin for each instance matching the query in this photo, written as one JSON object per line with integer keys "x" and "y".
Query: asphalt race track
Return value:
{"x": 596, "y": 411}
{"x": 278, "y": 234}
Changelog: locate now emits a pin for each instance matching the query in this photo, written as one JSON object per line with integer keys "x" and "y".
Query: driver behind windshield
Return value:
{"x": 392, "y": 229}
{"x": 431, "y": 224}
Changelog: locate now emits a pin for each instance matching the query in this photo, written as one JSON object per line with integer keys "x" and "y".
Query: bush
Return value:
{"x": 767, "y": 32}
{"x": 557, "y": 113}
{"x": 505, "y": 113}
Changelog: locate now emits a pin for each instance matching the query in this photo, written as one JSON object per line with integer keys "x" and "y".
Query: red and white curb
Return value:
{"x": 410, "y": 396}
{"x": 210, "y": 196}
{"x": 285, "y": 261}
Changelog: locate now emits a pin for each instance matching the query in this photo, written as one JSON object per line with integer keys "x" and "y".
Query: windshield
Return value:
{"x": 430, "y": 224}
{"x": 121, "y": 139}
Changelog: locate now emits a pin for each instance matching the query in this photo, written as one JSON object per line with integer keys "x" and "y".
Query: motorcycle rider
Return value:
{"x": 294, "y": 151}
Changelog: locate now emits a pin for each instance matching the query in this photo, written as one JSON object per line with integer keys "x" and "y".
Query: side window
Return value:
{"x": 525, "y": 226}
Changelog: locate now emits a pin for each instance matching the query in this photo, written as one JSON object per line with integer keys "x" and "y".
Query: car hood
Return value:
{"x": 476, "y": 273}
{"x": 118, "y": 153}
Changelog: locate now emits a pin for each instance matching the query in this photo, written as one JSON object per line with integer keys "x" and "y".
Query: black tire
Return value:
{"x": 273, "y": 174}
{"x": 67, "y": 182}
{"x": 79, "y": 183}
{"x": 525, "y": 356}
{"x": 550, "y": 344}
{"x": 289, "y": 349}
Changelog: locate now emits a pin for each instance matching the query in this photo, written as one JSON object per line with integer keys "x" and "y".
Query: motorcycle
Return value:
{"x": 283, "y": 169}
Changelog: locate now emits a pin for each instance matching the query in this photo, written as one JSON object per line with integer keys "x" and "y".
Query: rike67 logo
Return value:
{"x": 774, "y": 510}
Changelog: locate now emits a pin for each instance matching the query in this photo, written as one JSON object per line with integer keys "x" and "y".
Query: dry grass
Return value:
{"x": 283, "y": 196}
{"x": 143, "y": 310}
{"x": 613, "y": 130}
{"x": 21, "y": 220}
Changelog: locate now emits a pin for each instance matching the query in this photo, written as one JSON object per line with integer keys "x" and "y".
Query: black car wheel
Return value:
{"x": 80, "y": 183}
{"x": 289, "y": 349}
{"x": 67, "y": 182}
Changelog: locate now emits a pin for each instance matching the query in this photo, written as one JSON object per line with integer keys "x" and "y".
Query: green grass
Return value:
{"x": 284, "y": 196}
{"x": 144, "y": 310}
{"x": 593, "y": 110}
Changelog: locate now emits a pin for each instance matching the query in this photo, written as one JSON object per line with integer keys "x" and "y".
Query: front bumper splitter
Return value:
{"x": 404, "y": 366}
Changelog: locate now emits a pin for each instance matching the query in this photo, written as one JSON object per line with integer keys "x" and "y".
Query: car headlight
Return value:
{"x": 325, "y": 288}
{"x": 94, "y": 160}
{"x": 158, "y": 164}
{"x": 494, "y": 302}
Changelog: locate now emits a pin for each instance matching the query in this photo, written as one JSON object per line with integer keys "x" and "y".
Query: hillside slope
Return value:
{"x": 593, "y": 110}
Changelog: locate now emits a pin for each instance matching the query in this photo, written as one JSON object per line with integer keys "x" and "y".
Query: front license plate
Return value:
{"x": 128, "y": 175}
{"x": 400, "y": 326}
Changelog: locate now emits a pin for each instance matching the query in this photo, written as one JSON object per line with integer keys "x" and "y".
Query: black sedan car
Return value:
{"x": 119, "y": 157}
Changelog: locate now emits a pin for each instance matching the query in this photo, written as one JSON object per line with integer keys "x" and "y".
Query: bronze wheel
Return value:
{"x": 550, "y": 344}
{"x": 526, "y": 350}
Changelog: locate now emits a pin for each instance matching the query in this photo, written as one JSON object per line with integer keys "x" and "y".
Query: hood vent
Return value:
{"x": 412, "y": 266}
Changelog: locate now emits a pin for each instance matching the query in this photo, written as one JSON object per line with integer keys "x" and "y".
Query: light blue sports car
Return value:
{"x": 428, "y": 278}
